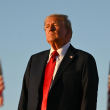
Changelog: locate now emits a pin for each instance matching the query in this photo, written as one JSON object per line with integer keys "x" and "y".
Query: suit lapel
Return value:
{"x": 36, "y": 78}
{"x": 38, "y": 73}
{"x": 42, "y": 64}
{"x": 69, "y": 56}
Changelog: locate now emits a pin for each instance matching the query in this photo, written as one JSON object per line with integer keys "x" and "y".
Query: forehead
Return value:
{"x": 53, "y": 20}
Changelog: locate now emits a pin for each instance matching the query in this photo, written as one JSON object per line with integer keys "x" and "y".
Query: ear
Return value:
{"x": 68, "y": 33}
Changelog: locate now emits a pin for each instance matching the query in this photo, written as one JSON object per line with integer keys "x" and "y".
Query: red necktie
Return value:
{"x": 48, "y": 78}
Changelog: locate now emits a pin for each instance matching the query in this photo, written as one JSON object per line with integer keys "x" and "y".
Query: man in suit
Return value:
{"x": 74, "y": 82}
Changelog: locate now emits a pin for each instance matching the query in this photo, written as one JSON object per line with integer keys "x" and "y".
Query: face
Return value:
{"x": 55, "y": 31}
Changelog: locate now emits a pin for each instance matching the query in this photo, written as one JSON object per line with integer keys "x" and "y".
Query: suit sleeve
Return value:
{"x": 89, "y": 84}
{"x": 24, "y": 92}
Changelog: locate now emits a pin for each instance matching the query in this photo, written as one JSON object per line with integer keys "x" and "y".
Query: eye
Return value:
{"x": 47, "y": 26}
{"x": 56, "y": 24}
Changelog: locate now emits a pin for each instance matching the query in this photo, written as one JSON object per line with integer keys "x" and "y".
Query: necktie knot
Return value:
{"x": 54, "y": 54}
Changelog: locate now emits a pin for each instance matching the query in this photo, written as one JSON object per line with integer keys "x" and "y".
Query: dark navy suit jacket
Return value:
{"x": 74, "y": 88}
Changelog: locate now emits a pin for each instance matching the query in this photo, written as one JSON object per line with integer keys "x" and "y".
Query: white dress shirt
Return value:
{"x": 61, "y": 51}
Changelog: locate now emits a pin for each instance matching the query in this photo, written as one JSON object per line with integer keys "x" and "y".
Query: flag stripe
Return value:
{"x": 1, "y": 86}
{"x": 108, "y": 108}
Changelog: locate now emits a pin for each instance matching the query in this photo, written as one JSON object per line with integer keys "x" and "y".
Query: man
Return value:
{"x": 62, "y": 78}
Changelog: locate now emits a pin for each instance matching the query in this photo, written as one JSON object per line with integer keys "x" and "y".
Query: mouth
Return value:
{"x": 51, "y": 34}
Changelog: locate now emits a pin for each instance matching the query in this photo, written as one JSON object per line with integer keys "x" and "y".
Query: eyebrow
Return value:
{"x": 56, "y": 22}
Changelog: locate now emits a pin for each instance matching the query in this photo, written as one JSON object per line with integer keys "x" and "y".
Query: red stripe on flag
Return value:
{"x": 108, "y": 108}
{"x": 1, "y": 100}
{"x": 1, "y": 85}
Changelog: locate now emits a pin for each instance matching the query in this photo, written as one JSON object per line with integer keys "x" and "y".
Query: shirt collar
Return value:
{"x": 61, "y": 51}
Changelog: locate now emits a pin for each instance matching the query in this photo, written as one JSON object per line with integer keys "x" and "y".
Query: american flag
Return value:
{"x": 1, "y": 86}
{"x": 109, "y": 89}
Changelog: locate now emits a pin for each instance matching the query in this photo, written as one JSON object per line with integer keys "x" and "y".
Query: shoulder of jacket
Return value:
{"x": 40, "y": 53}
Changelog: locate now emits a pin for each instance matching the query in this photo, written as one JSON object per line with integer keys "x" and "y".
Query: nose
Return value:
{"x": 52, "y": 27}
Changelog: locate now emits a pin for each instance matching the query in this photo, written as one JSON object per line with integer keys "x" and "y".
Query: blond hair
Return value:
{"x": 62, "y": 18}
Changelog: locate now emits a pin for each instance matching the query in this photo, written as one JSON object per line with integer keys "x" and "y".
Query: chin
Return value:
{"x": 51, "y": 40}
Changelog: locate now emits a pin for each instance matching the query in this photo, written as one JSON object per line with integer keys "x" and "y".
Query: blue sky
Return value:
{"x": 22, "y": 34}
